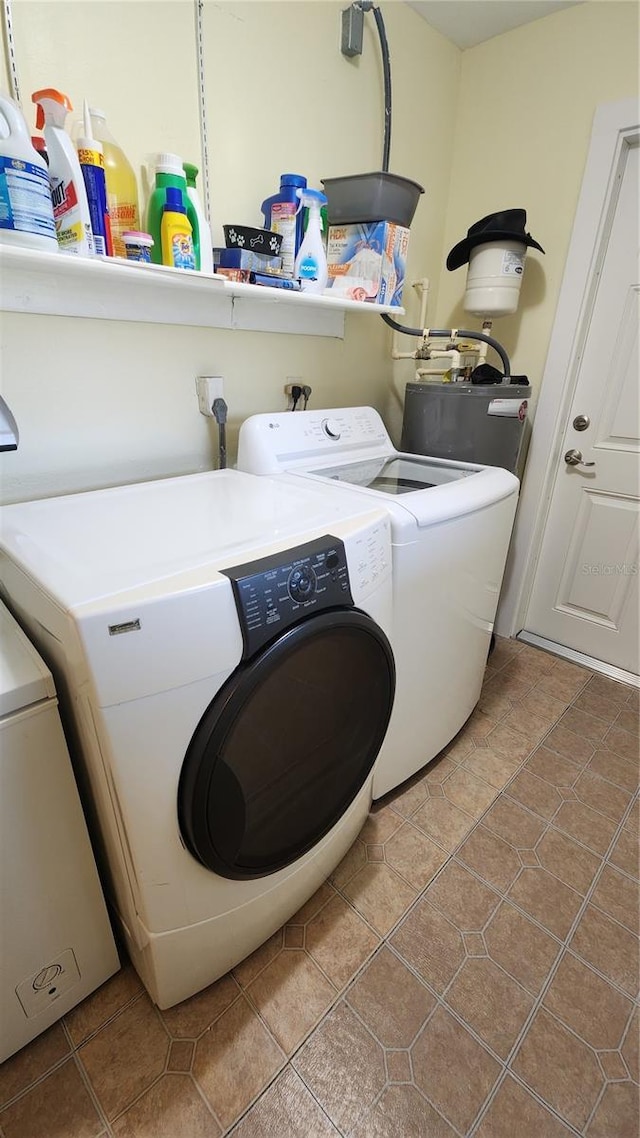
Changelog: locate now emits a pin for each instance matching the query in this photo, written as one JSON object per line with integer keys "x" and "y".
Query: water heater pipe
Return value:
{"x": 453, "y": 333}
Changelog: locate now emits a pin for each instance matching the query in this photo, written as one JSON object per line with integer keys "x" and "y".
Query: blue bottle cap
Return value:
{"x": 293, "y": 180}
{"x": 173, "y": 200}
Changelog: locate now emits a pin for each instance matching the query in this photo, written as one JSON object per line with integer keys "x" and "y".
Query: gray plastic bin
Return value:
{"x": 467, "y": 422}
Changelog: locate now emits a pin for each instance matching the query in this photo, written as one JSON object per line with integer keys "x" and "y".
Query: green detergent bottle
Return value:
{"x": 169, "y": 173}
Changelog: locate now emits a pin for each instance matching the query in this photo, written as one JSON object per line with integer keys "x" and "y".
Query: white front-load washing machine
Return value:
{"x": 451, "y": 524}
{"x": 220, "y": 643}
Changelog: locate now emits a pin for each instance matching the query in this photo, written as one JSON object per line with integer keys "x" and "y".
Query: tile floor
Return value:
{"x": 471, "y": 967}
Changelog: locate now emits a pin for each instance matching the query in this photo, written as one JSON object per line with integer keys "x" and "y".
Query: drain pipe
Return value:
{"x": 452, "y": 333}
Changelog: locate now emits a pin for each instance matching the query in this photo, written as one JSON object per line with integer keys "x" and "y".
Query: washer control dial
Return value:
{"x": 331, "y": 428}
{"x": 301, "y": 583}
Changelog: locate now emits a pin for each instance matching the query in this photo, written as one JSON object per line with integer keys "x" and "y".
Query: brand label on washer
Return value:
{"x": 512, "y": 263}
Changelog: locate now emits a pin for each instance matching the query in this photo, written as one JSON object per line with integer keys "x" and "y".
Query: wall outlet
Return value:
{"x": 209, "y": 387}
{"x": 292, "y": 381}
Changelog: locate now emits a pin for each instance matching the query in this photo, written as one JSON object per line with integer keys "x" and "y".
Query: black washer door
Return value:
{"x": 286, "y": 745}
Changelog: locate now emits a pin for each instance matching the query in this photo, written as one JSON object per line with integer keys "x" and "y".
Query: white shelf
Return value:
{"x": 55, "y": 284}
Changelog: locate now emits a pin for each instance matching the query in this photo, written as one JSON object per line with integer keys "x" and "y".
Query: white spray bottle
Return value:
{"x": 70, "y": 205}
{"x": 311, "y": 262}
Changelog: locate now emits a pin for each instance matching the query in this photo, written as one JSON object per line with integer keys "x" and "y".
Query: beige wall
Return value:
{"x": 504, "y": 124}
{"x": 522, "y": 134}
{"x": 102, "y": 402}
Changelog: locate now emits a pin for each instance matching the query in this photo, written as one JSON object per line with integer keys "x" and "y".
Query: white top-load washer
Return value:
{"x": 56, "y": 939}
{"x": 221, "y": 644}
{"x": 451, "y": 524}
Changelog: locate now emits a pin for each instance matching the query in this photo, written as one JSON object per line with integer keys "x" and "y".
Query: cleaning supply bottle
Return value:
{"x": 122, "y": 188}
{"x": 282, "y": 214}
{"x": 176, "y": 234}
{"x": 202, "y": 242}
{"x": 311, "y": 262}
{"x": 91, "y": 159}
{"x": 70, "y": 205}
{"x": 26, "y": 211}
{"x": 169, "y": 174}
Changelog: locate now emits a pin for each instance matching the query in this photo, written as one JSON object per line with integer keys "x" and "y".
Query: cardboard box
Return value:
{"x": 367, "y": 262}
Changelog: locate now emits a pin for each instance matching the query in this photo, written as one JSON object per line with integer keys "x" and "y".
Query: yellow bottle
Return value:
{"x": 122, "y": 188}
{"x": 176, "y": 234}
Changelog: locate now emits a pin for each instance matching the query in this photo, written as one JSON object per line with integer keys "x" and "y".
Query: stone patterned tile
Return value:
{"x": 455, "y": 752}
{"x": 294, "y": 936}
{"x": 536, "y": 794}
{"x": 488, "y": 765}
{"x": 414, "y": 856}
{"x": 491, "y": 1003}
{"x": 493, "y": 702}
{"x": 564, "y": 688}
{"x": 585, "y": 725}
{"x": 478, "y": 726}
{"x": 609, "y": 947}
{"x": 611, "y": 690}
{"x": 574, "y": 747}
{"x": 618, "y": 896}
{"x": 190, "y": 1018}
{"x": 172, "y": 1106}
{"x": 602, "y": 796}
{"x": 512, "y": 744}
{"x": 505, "y": 937}
{"x": 613, "y": 1066}
{"x": 631, "y": 1047}
{"x": 285, "y": 1108}
{"x": 567, "y": 860}
{"x": 514, "y": 1113}
{"x": 401, "y": 1112}
{"x": 430, "y": 944}
{"x": 561, "y": 1069}
{"x": 505, "y": 650}
{"x": 291, "y": 994}
{"x": 380, "y": 895}
{"x": 553, "y": 768}
{"x": 545, "y": 706}
{"x": 339, "y": 941}
{"x": 469, "y": 793}
{"x": 398, "y": 1066}
{"x": 585, "y": 825}
{"x": 490, "y": 857}
{"x": 102, "y": 1004}
{"x": 587, "y": 1004}
{"x": 628, "y": 720}
{"x": 547, "y": 900}
{"x": 390, "y": 1000}
{"x": 518, "y": 827}
{"x": 409, "y": 799}
{"x": 440, "y": 820}
{"x": 440, "y": 769}
{"x": 620, "y": 771}
{"x": 626, "y": 854}
{"x": 32, "y": 1062}
{"x": 617, "y": 1113}
{"x": 601, "y": 706}
{"x": 343, "y": 1044}
{"x": 622, "y": 742}
{"x": 235, "y": 1060}
{"x": 321, "y": 897}
{"x": 59, "y": 1105}
{"x": 531, "y": 726}
{"x": 440, "y": 1054}
{"x": 462, "y": 898}
{"x": 181, "y": 1055}
{"x": 126, "y": 1056}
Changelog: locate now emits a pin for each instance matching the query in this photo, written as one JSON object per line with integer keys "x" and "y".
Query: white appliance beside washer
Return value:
{"x": 56, "y": 939}
{"x": 451, "y": 524}
{"x": 222, "y": 643}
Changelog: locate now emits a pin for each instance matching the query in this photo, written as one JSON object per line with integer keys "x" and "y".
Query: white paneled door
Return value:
{"x": 587, "y": 582}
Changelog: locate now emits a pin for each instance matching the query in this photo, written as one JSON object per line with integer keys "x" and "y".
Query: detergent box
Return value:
{"x": 367, "y": 261}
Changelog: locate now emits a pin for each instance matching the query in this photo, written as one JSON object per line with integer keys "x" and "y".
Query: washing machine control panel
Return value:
{"x": 274, "y": 593}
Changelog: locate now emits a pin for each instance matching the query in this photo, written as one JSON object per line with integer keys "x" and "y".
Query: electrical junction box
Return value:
{"x": 368, "y": 262}
{"x": 352, "y": 29}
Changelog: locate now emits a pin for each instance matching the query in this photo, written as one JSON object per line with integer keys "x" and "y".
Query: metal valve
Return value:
{"x": 574, "y": 458}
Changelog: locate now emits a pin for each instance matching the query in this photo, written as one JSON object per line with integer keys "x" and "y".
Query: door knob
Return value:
{"x": 581, "y": 422}
{"x": 574, "y": 458}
